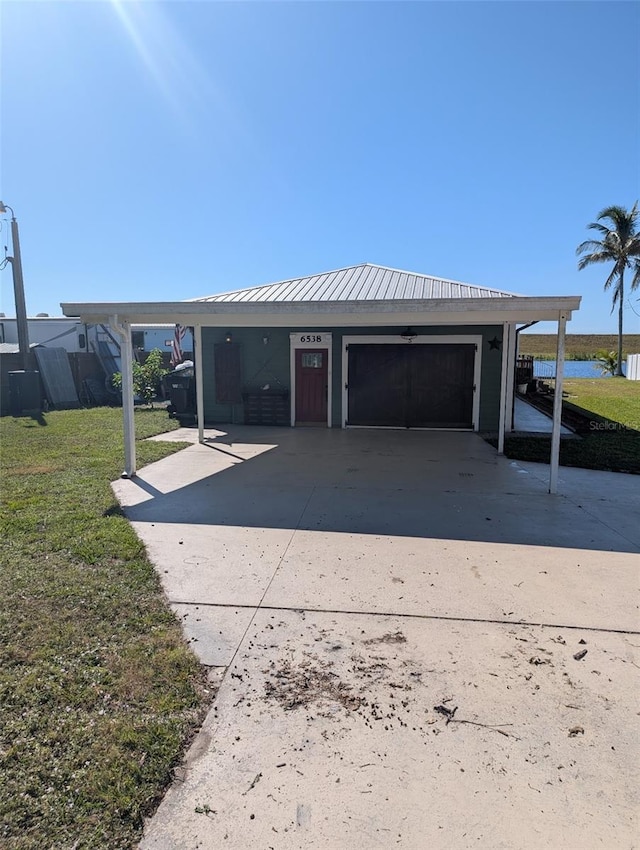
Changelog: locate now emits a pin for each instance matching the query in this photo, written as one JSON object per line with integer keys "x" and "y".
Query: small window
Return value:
{"x": 312, "y": 360}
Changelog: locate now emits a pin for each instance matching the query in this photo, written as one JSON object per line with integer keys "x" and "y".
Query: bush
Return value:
{"x": 607, "y": 362}
{"x": 146, "y": 376}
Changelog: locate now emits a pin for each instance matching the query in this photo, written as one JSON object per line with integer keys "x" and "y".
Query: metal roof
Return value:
{"x": 365, "y": 282}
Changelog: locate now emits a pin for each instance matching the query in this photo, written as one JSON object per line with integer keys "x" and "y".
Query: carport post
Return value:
{"x": 503, "y": 387}
{"x": 511, "y": 375}
{"x": 557, "y": 406}
{"x": 123, "y": 329}
{"x": 197, "y": 343}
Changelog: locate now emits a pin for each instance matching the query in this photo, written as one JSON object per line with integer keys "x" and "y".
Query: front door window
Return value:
{"x": 312, "y": 359}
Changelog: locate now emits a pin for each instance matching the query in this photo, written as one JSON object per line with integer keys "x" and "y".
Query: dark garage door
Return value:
{"x": 411, "y": 386}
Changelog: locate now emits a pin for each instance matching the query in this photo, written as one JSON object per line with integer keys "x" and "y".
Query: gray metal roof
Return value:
{"x": 365, "y": 282}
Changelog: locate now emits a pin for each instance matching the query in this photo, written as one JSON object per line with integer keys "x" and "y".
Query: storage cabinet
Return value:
{"x": 266, "y": 407}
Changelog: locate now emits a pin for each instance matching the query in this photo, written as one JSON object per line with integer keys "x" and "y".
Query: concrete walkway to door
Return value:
{"x": 399, "y": 620}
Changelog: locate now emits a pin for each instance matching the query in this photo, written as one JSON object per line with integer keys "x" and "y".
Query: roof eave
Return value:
{"x": 431, "y": 311}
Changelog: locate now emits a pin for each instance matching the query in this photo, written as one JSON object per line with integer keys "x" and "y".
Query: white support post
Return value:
{"x": 123, "y": 330}
{"x": 197, "y": 344}
{"x": 554, "y": 461}
{"x": 503, "y": 388}
{"x": 511, "y": 374}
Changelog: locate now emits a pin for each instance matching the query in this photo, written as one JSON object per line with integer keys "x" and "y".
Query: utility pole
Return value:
{"x": 18, "y": 289}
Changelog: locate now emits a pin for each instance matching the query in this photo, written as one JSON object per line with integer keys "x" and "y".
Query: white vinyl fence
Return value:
{"x": 633, "y": 367}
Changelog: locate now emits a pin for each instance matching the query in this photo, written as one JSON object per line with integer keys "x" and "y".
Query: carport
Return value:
{"x": 360, "y": 347}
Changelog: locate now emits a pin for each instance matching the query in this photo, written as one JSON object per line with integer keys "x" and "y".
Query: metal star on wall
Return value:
{"x": 494, "y": 344}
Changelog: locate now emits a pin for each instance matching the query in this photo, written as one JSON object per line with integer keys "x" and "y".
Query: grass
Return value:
{"x": 578, "y": 346}
{"x": 613, "y": 441}
{"x": 98, "y": 691}
{"x": 613, "y": 452}
{"x": 615, "y": 399}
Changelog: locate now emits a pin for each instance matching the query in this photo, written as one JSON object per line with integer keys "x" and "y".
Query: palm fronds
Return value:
{"x": 620, "y": 244}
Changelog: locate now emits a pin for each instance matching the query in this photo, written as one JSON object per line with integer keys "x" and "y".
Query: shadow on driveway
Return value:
{"x": 438, "y": 485}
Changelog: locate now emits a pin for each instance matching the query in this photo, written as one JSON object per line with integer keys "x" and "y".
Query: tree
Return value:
{"x": 146, "y": 378}
{"x": 619, "y": 244}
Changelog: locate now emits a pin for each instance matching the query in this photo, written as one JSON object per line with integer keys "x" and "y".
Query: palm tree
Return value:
{"x": 620, "y": 244}
{"x": 607, "y": 362}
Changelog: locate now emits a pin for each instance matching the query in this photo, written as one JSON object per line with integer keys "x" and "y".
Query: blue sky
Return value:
{"x": 160, "y": 151}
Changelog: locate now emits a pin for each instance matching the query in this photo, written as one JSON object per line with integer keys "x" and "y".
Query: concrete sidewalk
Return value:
{"x": 353, "y": 589}
{"x": 528, "y": 418}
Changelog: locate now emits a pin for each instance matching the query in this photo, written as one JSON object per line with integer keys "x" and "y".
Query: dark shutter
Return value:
{"x": 228, "y": 373}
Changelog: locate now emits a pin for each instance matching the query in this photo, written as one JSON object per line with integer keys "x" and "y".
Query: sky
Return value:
{"x": 171, "y": 150}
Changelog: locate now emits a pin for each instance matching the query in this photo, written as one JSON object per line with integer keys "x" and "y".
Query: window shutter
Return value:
{"x": 228, "y": 373}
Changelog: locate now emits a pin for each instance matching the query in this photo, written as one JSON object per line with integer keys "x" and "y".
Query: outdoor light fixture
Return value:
{"x": 228, "y": 337}
{"x": 265, "y": 340}
{"x": 18, "y": 288}
{"x": 409, "y": 334}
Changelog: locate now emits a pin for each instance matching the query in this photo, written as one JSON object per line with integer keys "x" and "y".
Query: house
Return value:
{"x": 363, "y": 346}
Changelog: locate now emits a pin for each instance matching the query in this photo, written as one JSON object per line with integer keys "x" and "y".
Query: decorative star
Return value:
{"x": 494, "y": 344}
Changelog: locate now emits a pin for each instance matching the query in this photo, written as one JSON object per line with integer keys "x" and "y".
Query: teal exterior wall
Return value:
{"x": 270, "y": 364}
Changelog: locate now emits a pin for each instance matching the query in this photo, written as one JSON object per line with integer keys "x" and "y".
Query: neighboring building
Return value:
{"x": 93, "y": 352}
{"x": 147, "y": 337}
{"x": 76, "y": 336}
{"x": 54, "y": 332}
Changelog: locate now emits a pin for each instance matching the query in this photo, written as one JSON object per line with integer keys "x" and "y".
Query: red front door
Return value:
{"x": 311, "y": 385}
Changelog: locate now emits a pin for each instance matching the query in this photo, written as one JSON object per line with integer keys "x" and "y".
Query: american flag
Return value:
{"x": 176, "y": 345}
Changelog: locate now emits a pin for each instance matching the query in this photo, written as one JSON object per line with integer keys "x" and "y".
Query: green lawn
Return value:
{"x": 98, "y": 691}
{"x": 613, "y": 443}
{"x": 615, "y": 399}
{"x": 607, "y": 451}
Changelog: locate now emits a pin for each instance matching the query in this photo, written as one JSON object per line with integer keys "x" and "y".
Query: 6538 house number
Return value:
{"x": 310, "y": 337}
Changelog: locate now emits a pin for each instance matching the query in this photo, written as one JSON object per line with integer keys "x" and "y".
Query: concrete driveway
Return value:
{"x": 416, "y": 645}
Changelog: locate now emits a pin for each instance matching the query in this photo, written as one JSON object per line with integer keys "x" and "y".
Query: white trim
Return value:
{"x": 421, "y": 311}
{"x": 427, "y": 339}
{"x": 364, "y": 315}
{"x": 325, "y": 343}
{"x": 554, "y": 460}
{"x": 511, "y": 375}
{"x": 197, "y": 344}
{"x": 123, "y": 330}
{"x": 502, "y": 421}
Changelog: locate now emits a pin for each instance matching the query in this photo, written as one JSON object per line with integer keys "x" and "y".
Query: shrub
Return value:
{"x": 607, "y": 361}
{"x": 146, "y": 376}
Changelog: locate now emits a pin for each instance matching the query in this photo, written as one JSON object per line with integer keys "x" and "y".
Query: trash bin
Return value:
{"x": 180, "y": 389}
{"x": 24, "y": 392}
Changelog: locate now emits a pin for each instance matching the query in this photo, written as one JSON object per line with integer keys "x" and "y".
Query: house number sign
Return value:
{"x": 310, "y": 338}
